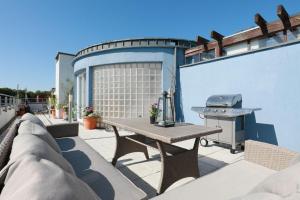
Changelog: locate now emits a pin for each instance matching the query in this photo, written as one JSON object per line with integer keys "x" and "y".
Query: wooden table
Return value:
{"x": 177, "y": 162}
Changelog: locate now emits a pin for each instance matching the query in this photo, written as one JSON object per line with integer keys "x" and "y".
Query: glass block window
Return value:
{"x": 126, "y": 90}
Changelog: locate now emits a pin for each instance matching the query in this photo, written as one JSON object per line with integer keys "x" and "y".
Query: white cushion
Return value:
{"x": 31, "y": 178}
{"x": 27, "y": 127}
{"x": 231, "y": 181}
{"x": 284, "y": 183}
{"x": 31, "y": 144}
{"x": 33, "y": 119}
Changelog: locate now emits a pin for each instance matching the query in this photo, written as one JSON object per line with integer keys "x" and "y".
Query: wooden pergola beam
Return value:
{"x": 218, "y": 37}
{"x": 262, "y": 23}
{"x": 272, "y": 27}
{"x": 202, "y": 41}
{"x": 284, "y": 17}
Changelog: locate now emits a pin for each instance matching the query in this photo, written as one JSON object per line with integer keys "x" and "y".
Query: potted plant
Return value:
{"x": 153, "y": 113}
{"x": 65, "y": 113}
{"x": 74, "y": 113}
{"x": 89, "y": 118}
{"x": 52, "y": 102}
{"x": 59, "y": 111}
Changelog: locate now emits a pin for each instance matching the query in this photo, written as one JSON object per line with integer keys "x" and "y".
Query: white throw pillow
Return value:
{"x": 30, "y": 144}
{"x": 284, "y": 183}
{"x": 31, "y": 178}
{"x": 27, "y": 127}
{"x": 33, "y": 119}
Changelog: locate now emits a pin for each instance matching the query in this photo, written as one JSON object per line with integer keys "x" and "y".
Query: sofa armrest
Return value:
{"x": 63, "y": 130}
{"x": 268, "y": 155}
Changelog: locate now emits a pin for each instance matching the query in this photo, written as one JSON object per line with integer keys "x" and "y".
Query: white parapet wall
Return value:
{"x": 7, "y": 109}
{"x": 6, "y": 116}
{"x": 64, "y": 76}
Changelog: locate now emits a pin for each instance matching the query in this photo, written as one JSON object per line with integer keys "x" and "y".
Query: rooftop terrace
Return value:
{"x": 146, "y": 173}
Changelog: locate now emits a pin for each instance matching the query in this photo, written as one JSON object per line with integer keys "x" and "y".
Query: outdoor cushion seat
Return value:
{"x": 28, "y": 127}
{"x": 285, "y": 183}
{"x": 32, "y": 178}
{"x": 34, "y": 119}
{"x": 30, "y": 144}
{"x": 225, "y": 183}
{"x": 107, "y": 182}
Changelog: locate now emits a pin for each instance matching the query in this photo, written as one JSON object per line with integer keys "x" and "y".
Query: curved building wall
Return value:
{"x": 138, "y": 59}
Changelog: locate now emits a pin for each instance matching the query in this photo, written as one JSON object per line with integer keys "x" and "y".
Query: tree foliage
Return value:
{"x": 30, "y": 94}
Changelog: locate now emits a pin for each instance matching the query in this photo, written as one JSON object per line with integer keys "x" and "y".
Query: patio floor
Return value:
{"x": 146, "y": 173}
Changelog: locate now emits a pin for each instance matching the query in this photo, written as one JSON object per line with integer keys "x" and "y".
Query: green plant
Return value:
{"x": 74, "y": 112}
{"x": 154, "y": 110}
{"x": 58, "y": 106}
{"x": 52, "y": 101}
{"x": 89, "y": 112}
{"x": 66, "y": 108}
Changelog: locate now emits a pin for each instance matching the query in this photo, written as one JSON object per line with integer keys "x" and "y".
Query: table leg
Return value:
{"x": 125, "y": 146}
{"x": 178, "y": 166}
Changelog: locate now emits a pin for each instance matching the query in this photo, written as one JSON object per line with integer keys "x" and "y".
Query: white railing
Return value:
{"x": 7, "y": 109}
{"x": 35, "y": 105}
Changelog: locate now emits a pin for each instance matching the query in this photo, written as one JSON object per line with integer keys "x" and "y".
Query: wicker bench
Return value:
{"x": 79, "y": 171}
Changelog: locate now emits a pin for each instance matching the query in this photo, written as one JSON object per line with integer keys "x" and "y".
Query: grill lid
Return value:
{"x": 228, "y": 100}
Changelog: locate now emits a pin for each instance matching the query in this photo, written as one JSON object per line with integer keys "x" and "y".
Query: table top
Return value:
{"x": 179, "y": 132}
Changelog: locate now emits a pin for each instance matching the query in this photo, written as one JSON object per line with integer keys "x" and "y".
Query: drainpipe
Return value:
{"x": 173, "y": 85}
{"x": 70, "y": 108}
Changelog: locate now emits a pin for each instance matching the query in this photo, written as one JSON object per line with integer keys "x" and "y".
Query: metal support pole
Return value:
{"x": 70, "y": 108}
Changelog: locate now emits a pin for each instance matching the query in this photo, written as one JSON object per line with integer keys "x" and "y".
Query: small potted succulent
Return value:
{"x": 90, "y": 118}
{"x": 153, "y": 113}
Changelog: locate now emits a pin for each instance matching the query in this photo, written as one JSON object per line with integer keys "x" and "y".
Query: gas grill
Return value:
{"x": 225, "y": 111}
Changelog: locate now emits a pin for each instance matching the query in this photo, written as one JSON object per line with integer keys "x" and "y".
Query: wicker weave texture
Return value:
{"x": 268, "y": 155}
{"x": 6, "y": 143}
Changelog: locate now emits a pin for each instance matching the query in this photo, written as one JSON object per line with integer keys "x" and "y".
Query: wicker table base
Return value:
{"x": 177, "y": 162}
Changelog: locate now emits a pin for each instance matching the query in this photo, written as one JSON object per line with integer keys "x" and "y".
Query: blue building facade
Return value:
{"x": 122, "y": 78}
{"x": 267, "y": 78}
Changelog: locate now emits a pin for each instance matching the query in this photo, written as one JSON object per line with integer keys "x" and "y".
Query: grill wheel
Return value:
{"x": 203, "y": 142}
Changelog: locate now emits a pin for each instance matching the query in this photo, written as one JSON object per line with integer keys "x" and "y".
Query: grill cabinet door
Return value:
{"x": 212, "y": 122}
{"x": 227, "y": 126}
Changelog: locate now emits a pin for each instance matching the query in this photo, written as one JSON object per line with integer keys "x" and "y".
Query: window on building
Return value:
{"x": 207, "y": 55}
{"x": 82, "y": 93}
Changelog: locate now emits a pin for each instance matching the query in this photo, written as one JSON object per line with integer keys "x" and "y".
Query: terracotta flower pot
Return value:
{"x": 59, "y": 113}
{"x": 90, "y": 123}
{"x": 65, "y": 115}
{"x": 53, "y": 113}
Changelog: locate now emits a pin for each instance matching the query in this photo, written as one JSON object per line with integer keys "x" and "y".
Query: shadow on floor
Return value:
{"x": 206, "y": 166}
{"x": 135, "y": 178}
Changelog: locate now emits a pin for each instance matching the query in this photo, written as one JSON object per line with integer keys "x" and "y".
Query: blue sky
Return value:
{"x": 33, "y": 31}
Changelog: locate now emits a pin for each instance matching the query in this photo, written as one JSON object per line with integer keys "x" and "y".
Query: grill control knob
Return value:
{"x": 223, "y": 110}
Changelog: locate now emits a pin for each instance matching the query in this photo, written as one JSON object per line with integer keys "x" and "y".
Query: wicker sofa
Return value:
{"x": 267, "y": 172}
{"x": 52, "y": 162}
